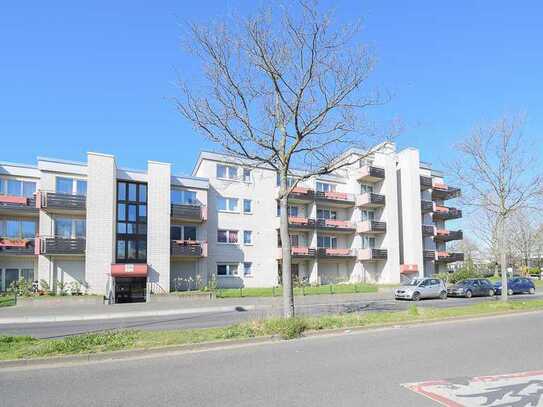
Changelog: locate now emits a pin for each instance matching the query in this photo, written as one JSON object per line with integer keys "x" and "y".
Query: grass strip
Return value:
{"x": 309, "y": 290}
{"x": 25, "y": 347}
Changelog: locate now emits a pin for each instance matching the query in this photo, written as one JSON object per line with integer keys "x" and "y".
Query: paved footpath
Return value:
{"x": 456, "y": 361}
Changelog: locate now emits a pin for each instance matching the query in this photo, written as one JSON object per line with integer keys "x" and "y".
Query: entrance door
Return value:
{"x": 130, "y": 289}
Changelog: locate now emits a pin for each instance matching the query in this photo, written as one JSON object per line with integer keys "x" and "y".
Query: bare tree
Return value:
{"x": 283, "y": 89}
{"x": 524, "y": 234}
{"x": 498, "y": 177}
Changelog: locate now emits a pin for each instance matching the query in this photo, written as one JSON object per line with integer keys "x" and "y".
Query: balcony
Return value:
{"x": 300, "y": 223}
{"x": 334, "y": 225}
{"x": 188, "y": 213}
{"x": 52, "y": 246}
{"x": 446, "y": 213}
{"x": 298, "y": 252}
{"x": 426, "y": 206}
{"x": 18, "y": 206}
{"x": 17, "y": 247}
{"x": 427, "y": 230}
{"x": 449, "y": 257}
{"x": 188, "y": 248}
{"x": 425, "y": 183}
{"x": 301, "y": 195}
{"x": 337, "y": 199}
{"x": 330, "y": 253}
{"x": 61, "y": 203}
{"x": 429, "y": 254}
{"x": 370, "y": 200}
{"x": 372, "y": 254}
{"x": 443, "y": 192}
{"x": 371, "y": 227}
{"x": 370, "y": 174}
{"x": 409, "y": 268}
{"x": 444, "y": 235}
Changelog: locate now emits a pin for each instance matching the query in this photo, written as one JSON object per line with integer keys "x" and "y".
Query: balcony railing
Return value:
{"x": 371, "y": 226}
{"x": 335, "y": 225}
{"x": 369, "y": 173}
{"x": 18, "y": 205}
{"x": 341, "y": 198}
{"x": 61, "y": 246}
{"x": 444, "y": 235}
{"x": 426, "y": 206}
{"x": 444, "y": 192}
{"x": 372, "y": 254}
{"x": 188, "y": 248}
{"x": 449, "y": 257}
{"x": 299, "y": 222}
{"x": 62, "y": 202}
{"x": 188, "y": 213}
{"x": 427, "y": 230}
{"x": 302, "y": 194}
{"x": 298, "y": 252}
{"x": 425, "y": 182}
{"x": 446, "y": 213}
{"x": 370, "y": 200}
{"x": 17, "y": 247}
{"x": 335, "y": 253}
{"x": 429, "y": 254}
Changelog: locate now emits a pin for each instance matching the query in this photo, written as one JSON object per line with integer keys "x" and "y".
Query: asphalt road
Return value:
{"x": 60, "y": 329}
{"x": 364, "y": 368}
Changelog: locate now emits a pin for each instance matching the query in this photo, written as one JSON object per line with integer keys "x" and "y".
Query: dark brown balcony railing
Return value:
{"x": 183, "y": 248}
{"x": 448, "y": 257}
{"x": 369, "y": 200}
{"x": 335, "y": 197}
{"x": 332, "y": 253}
{"x": 335, "y": 225}
{"x": 369, "y": 173}
{"x": 64, "y": 202}
{"x": 426, "y": 206}
{"x": 189, "y": 213}
{"x": 427, "y": 230}
{"x": 444, "y": 192}
{"x": 372, "y": 254}
{"x": 17, "y": 205}
{"x": 17, "y": 247}
{"x": 448, "y": 235}
{"x": 446, "y": 213}
{"x": 371, "y": 226}
{"x": 425, "y": 182}
{"x": 302, "y": 194}
{"x": 429, "y": 255}
{"x": 62, "y": 246}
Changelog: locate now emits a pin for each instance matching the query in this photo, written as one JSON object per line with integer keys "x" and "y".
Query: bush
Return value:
{"x": 44, "y": 286}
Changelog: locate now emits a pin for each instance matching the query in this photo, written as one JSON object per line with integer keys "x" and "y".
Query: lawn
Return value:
{"x": 7, "y": 300}
{"x": 306, "y": 290}
{"x": 24, "y": 347}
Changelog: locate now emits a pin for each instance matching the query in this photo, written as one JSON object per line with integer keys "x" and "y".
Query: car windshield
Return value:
{"x": 414, "y": 282}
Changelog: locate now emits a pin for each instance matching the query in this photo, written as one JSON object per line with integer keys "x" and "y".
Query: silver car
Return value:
{"x": 421, "y": 288}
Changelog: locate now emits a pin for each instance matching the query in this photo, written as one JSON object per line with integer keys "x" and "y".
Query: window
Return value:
{"x": 227, "y": 236}
{"x": 247, "y": 269}
{"x": 328, "y": 242}
{"x": 294, "y": 240}
{"x": 246, "y": 175}
{"x": 368, "y": 242}
{"x": 366, "y": 188}
{"x": 70, "y": 186}
{"x": 17, "y": 188}
{"x": 290, "y": 181}
{"x": 368, "y": 215}
{"x": 227, "y": 269}
{"x": 179, "y": 232}
{"x": 247, "y": 206}
{"x": 247, "y": 237}
{"x": 12, "y": 275}
{"x": 227, "y": 171}
{"x": 227, "y": 204}
{"x": 325, "y": 187}
{"x": 131, "y": 222}
{"x": 63, "y": 228}
{"x": 183, "y": 197}
{"x": 326, "y": 214}
{"x": 81, "y": 187}
{"x": 17, "y": 229}
{"x": 293, "y": 211}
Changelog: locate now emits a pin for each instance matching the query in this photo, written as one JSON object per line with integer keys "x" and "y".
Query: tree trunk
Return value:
{"x": 503, "y": 257}
{"x": 288, "y": 294}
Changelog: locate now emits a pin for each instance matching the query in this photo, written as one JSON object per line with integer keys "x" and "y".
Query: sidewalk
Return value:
{"x": 68, "y": 310}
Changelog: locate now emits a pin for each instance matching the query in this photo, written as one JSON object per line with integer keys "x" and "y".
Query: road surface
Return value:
{"x": 356, "y": 369}
{"x": 217, "y": 319}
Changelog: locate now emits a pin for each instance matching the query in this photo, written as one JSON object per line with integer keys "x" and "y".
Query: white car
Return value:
{"x": 421, "y": 288}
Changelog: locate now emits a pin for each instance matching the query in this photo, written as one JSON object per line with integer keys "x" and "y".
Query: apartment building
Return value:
{"x": 125, "y": 233}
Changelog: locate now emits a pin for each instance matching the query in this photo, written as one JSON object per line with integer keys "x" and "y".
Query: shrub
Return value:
{"x": 62, "y": 287}
{"x": 75, "y": 288}
{"x": 44, "y": 285}
{"x": 462, "y": 274}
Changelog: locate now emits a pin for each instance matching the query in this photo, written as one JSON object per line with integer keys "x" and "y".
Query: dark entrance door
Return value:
{"x": 130, "y": 289}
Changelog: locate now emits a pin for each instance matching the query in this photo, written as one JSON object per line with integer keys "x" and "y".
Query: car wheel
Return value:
{"x": 532, "y": 290}
{"x": 509, "y": 291}
{"x": 416, "y": 296}
{"x": 491, "y": 293}
{"x": 443, "y": 295}
{"x": 468, "y": 294}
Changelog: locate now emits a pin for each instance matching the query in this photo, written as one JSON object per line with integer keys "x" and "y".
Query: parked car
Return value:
{"x": 516, "y": 285}
{"x": 471, "y": 287}
{"x": 419, "y": 288}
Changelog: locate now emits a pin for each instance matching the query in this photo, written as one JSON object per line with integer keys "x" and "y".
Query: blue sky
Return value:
{"x": 99, "y": 76}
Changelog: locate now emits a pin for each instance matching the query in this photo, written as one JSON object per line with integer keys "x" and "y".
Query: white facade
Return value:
{"x": 108, "y": 228}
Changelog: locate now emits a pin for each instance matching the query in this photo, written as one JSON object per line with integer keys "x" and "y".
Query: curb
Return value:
{"x": 232, "y": 344}
{"x": 118, "y": 315}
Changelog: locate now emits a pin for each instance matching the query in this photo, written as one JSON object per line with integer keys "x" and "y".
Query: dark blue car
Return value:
{"x": 516, "y": 285}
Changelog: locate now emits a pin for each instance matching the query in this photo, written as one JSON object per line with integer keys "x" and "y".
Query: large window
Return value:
{"x": 227, "y": 204}
{"x": 328, "y": 242}
{"x": 247, "y": 237}
{"x": 17, "y": 187}
{"x": 325, "y": 187}
{"x": 183, "y": 197}
{"x": 227, "y": 172}
{"x": 70, "y": 228}
{"x": 17, "y": 229}
{"x": 71, "y": 186}
{"x": 131, "y": 222}
{"x": 10, "y": 276}
{"x": 247, "y": 206}
{"x": 326, "y": 214}
{"x": 182, "y": 232}
{"x": 368, "y": 242}
{"x": 227, "y": 236}
{"x": 368, "y": 215}
{"x": 227, "y": 270}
